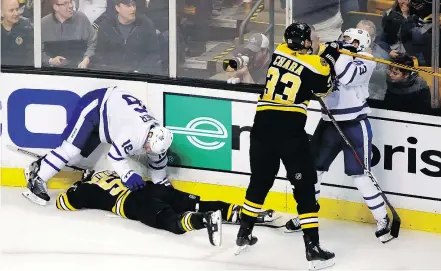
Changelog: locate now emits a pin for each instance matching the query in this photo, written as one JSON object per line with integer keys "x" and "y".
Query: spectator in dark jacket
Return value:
{"x": 17, "y": 38}
{"x": 392, "y": 21}
{"x": 406, "y": 91}
{"x": 127, "y": 42}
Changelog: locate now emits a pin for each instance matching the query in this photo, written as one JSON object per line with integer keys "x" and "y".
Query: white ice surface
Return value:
{"x": 35, "y": 238}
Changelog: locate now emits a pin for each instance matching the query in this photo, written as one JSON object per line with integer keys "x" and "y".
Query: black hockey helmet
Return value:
{"x": 296, "y": 35}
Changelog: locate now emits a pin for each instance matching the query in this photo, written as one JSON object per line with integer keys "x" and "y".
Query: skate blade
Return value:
{"x": 32, "y": 197}
{"x": 217, "y": 236}
{"x": 291, "y": 231}
{"x": 317, "y": 264}
{"x": 240, "y": 249}
{"x": 386, "y": 238}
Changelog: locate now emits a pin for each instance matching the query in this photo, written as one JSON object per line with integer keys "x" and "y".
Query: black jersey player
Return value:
{"x": 294, "y": 75}
{"x": 155, "y": 205}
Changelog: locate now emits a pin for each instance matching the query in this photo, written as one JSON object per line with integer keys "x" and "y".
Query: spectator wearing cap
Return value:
{"x": 17, "y": 46}
{"x": 127, "y": 42}
{"x": 406, "y": 91}
{"x": 257, "y": 50}
{"x": 68, "y": 38}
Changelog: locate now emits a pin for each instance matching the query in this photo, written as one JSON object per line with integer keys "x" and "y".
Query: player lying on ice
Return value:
{"x": 155, "y": 205}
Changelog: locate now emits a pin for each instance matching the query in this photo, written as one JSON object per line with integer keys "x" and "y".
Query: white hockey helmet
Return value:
{"x": 160, "y": 139}
{"x": 361, "y": 36}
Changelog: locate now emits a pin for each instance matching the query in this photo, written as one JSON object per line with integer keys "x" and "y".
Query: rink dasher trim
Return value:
{"x": 283, "y": 202}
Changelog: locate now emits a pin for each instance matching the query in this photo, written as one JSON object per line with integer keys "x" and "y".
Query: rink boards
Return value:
{"x": 209, "y": 155}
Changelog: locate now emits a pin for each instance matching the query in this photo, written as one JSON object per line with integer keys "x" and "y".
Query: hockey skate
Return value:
{"x": 213, "y": 223}
{"x": 293, "y": 225}
{"x": 383, "y": 230}
{"x": 318, "y": 257}
{"x": 244, "y": 240}
{"x": 36, "y": 190}
{"x": 265, "y": 218}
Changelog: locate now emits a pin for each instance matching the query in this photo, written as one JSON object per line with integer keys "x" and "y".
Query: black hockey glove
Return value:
{"x": 331, "y": 53}
{"x": 351, "y": 48}
{"x": 87, "y": 175}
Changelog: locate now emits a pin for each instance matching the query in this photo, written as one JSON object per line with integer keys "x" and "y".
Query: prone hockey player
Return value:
{"x": 350, "y": 109}
{"x": 278, "y": 133}
{"x": 109, "y": 115}
{"x": 155, "y": 205}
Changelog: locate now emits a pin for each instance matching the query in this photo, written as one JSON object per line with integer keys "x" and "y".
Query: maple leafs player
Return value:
{"x": 108, "y": 115}
{"x": 349, "y": 107}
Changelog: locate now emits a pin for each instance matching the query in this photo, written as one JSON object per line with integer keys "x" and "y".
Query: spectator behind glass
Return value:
{"x": 17, "y": 37}
{"x": 416, "y": 32}
{"x": 406, "y": 91}
{"x": 68, "y": 38}
{"x": 392, "y": 20}
{"x": 127, "y": 42}
{"x": 256, "y": 49}
{"x": 377, "y": 84}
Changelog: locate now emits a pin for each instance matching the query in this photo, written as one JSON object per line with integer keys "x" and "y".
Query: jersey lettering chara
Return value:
{"x": 292, "y": 79}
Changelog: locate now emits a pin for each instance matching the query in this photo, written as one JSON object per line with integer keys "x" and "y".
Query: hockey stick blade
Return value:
{"x": 23, "y": 151}
{"x": 396, "y": 220}
{"x": 257, "y": 225}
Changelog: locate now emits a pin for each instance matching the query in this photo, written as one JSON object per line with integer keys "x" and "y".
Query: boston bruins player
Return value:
{"x": 155, "y": 205}
{"x": 278, "y": 133}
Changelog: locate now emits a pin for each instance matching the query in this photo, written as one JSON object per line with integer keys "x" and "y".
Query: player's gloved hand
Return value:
{"x": 351, "y": 48}
{"x": 331, "y": 53}
{"x": 134, "y": 182}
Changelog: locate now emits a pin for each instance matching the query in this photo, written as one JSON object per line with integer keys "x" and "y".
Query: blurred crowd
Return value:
{"x": 133, "y": 36}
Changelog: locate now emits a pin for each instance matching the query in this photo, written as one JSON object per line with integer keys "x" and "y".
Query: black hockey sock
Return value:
{"x": 226, "y": 208}
{"x": 190, "y": 221}
{"x": 313, "y": 235}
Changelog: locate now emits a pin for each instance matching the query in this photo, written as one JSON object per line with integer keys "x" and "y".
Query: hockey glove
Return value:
{"x": 87, "y": 175}
{"x": 331, "y": 53}
{"x": 134, "y": 182}
{"x": 351, "y": 48}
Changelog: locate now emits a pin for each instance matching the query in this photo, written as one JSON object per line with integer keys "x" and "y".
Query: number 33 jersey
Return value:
{"x": 292, "y": 78}
{"x": 125, "y": 124}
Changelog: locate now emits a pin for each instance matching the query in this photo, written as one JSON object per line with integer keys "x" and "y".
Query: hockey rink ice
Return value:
{"x": 35, "y": 238}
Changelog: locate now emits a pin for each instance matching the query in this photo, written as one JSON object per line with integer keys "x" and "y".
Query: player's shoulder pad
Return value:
{"x": 315, "y": 63}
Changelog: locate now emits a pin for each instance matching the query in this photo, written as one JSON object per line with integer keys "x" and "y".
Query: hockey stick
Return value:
{"x": 390, "y": 63}
{"x": 23, "y": 151}
{"x": 396, "y": 220}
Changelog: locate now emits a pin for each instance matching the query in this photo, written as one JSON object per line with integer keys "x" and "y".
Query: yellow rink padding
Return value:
{"x": 284, "y": 202}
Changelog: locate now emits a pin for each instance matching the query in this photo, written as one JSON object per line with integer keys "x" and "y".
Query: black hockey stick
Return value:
{"x": 396, "y": 221}
{"x": 23, "y": 151}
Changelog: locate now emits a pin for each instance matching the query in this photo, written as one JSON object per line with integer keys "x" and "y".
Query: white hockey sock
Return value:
{"x": 317, "y": 185}
{"x": 56, "y": 159}
{"x": 371, "y": 196}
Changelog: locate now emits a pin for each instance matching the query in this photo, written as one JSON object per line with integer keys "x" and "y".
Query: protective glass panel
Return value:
{"x": 211, "y": 33}
{"x": 17, "y": 40}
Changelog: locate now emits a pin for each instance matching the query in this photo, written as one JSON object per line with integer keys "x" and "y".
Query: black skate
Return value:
{"x": 318, "y": 257}
{"x": 36, "y": 188}
{"x": 244, "y": 240}
{"x": 213, "y": 223}
{"x": 293, "y": 225}
{"x": 265, "y": 218}
{"x": 383, "y": 230}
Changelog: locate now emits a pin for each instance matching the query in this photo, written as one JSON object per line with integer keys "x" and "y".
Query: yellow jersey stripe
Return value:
{"x": 281, "y": 108}
{"x": 121, "y": 206}
{"x": 248, "y": 213}
{"x": 308, "y": 215}
{"x": 309, "y": 226}
{"x": 230, "y": 211}
{"x": 58, "y": 202}
{"x": 67, "y": 203}
{"x": 252, "y": 204}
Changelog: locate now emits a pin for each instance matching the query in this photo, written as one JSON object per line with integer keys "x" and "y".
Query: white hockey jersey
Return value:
{"x": 348, "y": 101}
{"x": 125, "y": 123}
